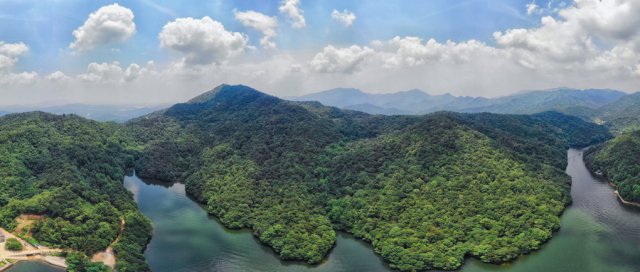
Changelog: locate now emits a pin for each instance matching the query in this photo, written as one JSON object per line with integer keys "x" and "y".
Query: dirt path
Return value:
{"x": 624, "y": 201}
{"x": 107, "y": 256}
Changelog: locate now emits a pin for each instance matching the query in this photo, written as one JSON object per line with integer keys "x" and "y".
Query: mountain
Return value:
{"x": 572, "y": 101}
{"x": 95, "y": 112}
{"x": 562, "y": 99}
{"x": 426, "y": 191}
{"x": 407, "y": 102}
{"x": 618, "y": 161}
{"x": 625, "y": 107}
{"x": 68, "y": 170}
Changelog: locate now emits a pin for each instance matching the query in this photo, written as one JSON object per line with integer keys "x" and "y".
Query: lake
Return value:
{"x": 597, "y": 233}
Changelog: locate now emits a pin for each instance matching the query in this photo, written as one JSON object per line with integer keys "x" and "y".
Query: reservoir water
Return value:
{"x": 597, "y": 233}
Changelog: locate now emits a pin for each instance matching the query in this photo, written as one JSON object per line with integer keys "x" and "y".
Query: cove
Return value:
{"x": 186, "y": 238}
{"x": 598, "y": 233}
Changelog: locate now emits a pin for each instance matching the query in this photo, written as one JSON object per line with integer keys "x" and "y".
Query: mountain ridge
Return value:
{"x": 295, "y": 172}
{"x": 419, "y": 102}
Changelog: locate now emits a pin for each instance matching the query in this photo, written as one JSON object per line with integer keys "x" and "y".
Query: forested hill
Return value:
{"x": 618, "y": 161}
{"x": 426, "y": 191}
{"x": 69, "y": 170}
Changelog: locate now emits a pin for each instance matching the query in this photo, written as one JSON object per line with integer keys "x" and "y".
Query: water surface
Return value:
{"x": 598, "y": 233}
{"x": 185, "y": 238}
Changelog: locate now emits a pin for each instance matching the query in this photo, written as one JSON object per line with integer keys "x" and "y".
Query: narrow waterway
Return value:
{"x": 597, "y": 233}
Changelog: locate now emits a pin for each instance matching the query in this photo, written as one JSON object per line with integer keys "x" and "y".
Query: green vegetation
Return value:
{"x": 12, "y": 244}
{"x": 618, "y": 161}
{"x": 78, "y": 262}
{"x": 425, "y": 191}
{"x": 70, "y": 170}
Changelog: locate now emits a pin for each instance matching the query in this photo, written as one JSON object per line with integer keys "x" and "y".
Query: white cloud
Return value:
{"x": 340, "y": 60}
{"x": 102, "y": 72}
{"x": 58, "y": 76}
{"x": 110, "y": 73}
{"x": 590, "y": 44}
{"x": 532, "y": 8}
{"x": 291, "y": 8}
{"x": 23, "y": 78}
{"x": 202, "y": 41}
{"x": 132, "y": 72}
{"x": 109, "y": 24}
{"x": 10, "y": 53}
{"x": 345, "y": 17}
{"x": 260, "y": 22}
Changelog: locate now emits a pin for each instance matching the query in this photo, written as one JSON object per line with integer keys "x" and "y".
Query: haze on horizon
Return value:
{"x": 145, "y": 52}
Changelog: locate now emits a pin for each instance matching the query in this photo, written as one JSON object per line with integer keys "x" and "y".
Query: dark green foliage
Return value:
{"x": 12, "y": 244}
{"x": 619, "y": 161}
{"x": 425, "y": 191}
{"x": 133, "y": 241}
{"x": 70, "y": 170}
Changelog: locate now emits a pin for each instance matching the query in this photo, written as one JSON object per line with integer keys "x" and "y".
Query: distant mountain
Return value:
{"x": 373, "y": 109}
{"x": 622, "y": 115}
{"x": 573, "y": 101}
{"x": 628, "y": 106}
{"x": 95, "y": 112}
{"x": 406, "y": 102}
{"x": 562, "y": 100}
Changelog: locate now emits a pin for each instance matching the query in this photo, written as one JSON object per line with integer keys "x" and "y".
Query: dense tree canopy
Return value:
{"x": 425, "y": 191}
{"x": 70, "y": 170}
{"x": 619, "y": 161}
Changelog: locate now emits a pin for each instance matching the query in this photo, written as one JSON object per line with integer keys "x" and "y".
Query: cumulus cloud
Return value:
{"x": 10, "y": 53}
{"x": 340, "y": 60}
{"x": 568, "y": 42}
{"x": 109, "y": 24}
{"x": 291, "y": 8}
{"x": 345, "y": 17}
{"x": 132, "y": 72}
{"x": 411, "y": 51}
{"x": 110, "y": 72}
{"x": 102, "y": 72}
{"x": 264, "y": 24}
{"x": 22, "y": 78}
{"x": 58, "y": 76}
{"x": 202, "y": 41}
{"x": 590, "y": 44}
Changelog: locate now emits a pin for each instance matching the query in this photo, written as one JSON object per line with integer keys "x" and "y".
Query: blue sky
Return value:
{"x": 468, "y": 47}
{"x": 46, "y": 26}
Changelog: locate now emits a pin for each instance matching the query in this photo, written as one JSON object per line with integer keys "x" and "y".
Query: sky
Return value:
{"x": 147, "y": 52}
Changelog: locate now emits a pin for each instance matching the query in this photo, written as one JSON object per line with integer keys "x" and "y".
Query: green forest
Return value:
{"x": 426, "y": 191}
{"x": 618, "y": 161}
{"x": 70, "y": 170}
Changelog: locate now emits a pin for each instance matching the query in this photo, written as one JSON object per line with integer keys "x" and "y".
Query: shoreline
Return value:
{"x": 630, "y": 203}
{"x": 29, "y": 253}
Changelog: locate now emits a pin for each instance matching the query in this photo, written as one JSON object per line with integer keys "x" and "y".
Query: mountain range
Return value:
{"x": 573, "y": 101}
{"x": 115, "y": 113}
